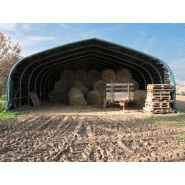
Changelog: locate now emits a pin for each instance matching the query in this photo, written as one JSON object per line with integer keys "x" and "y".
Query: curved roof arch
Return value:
{"x": 39, "y": 71}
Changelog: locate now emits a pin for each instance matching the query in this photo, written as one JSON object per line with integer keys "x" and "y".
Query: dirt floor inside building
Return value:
{"x": 56, "y": 132}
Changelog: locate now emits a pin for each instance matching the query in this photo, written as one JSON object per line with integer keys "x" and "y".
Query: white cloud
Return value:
{"x": 8, "y": 26}
{"x": 65, "y": 25}
{"x": 28, "y": 52}
{"x": 142, "y": 32}
{"x": 40, "y": 38}
{"x": 178, "y": 64}
{"x": 151, "y": 40}
{"x": 26, "y": 27}
{"x": 145, "y": 51}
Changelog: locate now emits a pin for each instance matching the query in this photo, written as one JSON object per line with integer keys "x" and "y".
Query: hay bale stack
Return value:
{"x": 92, "y": 77}
{"x": 79, "y": 85}
{"x": 67, "y": 75}
{"x": 93, "y": 98}
{"x": 123, "y": 74}
{"x": 81, "y": 75}
{"x": 108, "y": 75}
{"x": 135, "y": 83}
{"x": 61, "y": 86}
{"x": 140, "y": 97}
{"x": 76, "y": 97}
{"x": 100, "y": 86}
{"x": 56, "y": 97}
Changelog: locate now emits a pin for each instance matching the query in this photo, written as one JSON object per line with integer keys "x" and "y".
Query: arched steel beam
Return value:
{"x": 50, "y": 56}
{"x": 101, "y": 62}
{"x": 86, "y": 52}
{"x": 97, "y": 52}
{"x": 101, "y": 57}
{"x": 58, "y": 69}
{"x": 53, "y": 79}
{"x": 91, "y": 50}
{"x": 136, "y": 59}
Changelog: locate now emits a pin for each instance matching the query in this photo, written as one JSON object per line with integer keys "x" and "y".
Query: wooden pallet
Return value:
{"x": 35, "y": 99}
{"x": 158, "y": 110}
{"x": 158, "y": 104}
{"x": 158, "y": 93}
{"x": 159, "y": 90}
{"x": 159, "y": 86}
{"x": 158, "y": 99}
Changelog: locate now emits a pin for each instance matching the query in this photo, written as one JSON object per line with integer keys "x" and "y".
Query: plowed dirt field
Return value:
{"x": 97, "y": 137}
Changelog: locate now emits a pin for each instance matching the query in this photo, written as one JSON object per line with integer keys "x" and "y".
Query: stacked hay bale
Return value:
{"x": 61, "y": 86}
{"x": 100, "y": 87}
{"x": 68, "y": 75}
{"x": 140, "y": 97}
{"x": 56, "y": 97}
{"x": 108, "y": 75}
{"x": 92, "y": 77}
{"x": 76, "y": 97}
{"x": 79, "y": 85}
{"x": 93, "y": 98}
{"x": 81, "y": 75}
{"x": 125, "y": 76}
{"x": 59, "y": 94}
{"x": 78, "y": 88}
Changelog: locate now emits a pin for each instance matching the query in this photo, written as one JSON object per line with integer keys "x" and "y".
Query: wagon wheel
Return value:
{"x": 105, "y": 103}
{"x": 123, "y": 104}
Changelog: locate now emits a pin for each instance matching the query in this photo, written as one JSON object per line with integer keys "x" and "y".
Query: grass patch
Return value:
{"x": 177, "y": 120}
{"x": 6, "y": 115}
{"x": 179, "y": 117}
{"x": 3, "y": 101}
{"x": 182, "y": 139}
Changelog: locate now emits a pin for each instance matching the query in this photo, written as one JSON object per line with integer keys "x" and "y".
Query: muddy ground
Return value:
{"x": 181, "y": 103}
{"x": 88, "y": 134}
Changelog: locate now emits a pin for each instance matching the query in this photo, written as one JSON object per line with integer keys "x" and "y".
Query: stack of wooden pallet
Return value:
{"x": 159, "y": 98}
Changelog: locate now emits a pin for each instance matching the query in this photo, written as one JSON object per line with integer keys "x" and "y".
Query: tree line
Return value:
{"x": 9, "y": 55}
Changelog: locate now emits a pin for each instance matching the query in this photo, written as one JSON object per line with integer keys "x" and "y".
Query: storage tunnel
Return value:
{"x": 39, "y": 72}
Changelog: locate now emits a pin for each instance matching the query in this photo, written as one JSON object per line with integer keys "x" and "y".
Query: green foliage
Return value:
{"x": 3, "y": 101}
{"x": 6, "y": 115}
{"x": 183, "y": 136}
{"x": 179, "y": 117}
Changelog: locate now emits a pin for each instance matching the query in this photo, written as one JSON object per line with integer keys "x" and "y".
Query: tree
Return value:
{"x": 9, "y": 55}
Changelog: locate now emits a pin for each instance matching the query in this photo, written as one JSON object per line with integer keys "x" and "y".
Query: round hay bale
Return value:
{"x": 136, "y": 85}
{"x": 76, "y": 97}
{"x": 81, "y": 75}
{"x": 92, "y": 77}
{"x": 68, "y": 75}
{"x": 140, "y": 97}
{"x": 123, "y": 74}
{"x": 93, "y": 98}
{"x": 100, "y": 86}
{"x": 108, "y": 75}
{"x": 79, "y": 85}
{"x": 61, "y": 86}
{"x": 56, "y": 97}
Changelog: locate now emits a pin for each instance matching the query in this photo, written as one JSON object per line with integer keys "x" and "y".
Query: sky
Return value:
{"x": 165, "y": 41}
